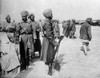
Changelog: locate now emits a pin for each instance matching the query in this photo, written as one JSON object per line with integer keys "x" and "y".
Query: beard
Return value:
{"x": 50, "y": 17}
{"x": 25, "y": 19}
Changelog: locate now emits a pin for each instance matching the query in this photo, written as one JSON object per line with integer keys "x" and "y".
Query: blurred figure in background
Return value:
{"x": 56, "y": 28}
{"x": 72, "y": 29}
{"x": 85, "y": 35}
{"x": 66, "y": 25}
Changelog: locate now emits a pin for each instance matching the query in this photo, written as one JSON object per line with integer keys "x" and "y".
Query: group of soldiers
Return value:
{"x": 26, "y": 36}
{"x": 69, "y": 28}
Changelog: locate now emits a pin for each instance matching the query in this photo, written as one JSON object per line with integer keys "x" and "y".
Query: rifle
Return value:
{"x": 57, "y": 47}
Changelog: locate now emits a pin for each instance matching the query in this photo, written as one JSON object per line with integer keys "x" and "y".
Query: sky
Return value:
{"x": 62, "y": 9}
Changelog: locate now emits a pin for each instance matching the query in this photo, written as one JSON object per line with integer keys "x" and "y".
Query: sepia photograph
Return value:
{"x": 49, "y": 38}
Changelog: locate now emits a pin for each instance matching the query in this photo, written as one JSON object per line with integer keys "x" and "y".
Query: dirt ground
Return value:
{"x": 76, "y": 64}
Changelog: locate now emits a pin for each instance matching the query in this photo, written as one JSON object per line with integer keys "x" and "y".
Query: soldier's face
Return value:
{"x": 51, "y": 16}
{"x": 24, "y": 18}
{"x": 32, "y": 18}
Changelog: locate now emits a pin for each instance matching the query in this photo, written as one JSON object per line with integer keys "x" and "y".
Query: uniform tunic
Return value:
{"x": 72, "y": 29}
{"x": 65, "y": 29}
{"x": 47, "y": 51}
{"x": 85, "y": 31}
{"x": 26, "y": 42}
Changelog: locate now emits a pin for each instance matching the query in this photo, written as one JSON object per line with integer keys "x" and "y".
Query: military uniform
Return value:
{"x": 85, "y": 31}
{"x": 85, "y": 36}
{"x": 49, "y": 43}
{"x": 72, "y": 29}
{"x": 26, "y": 41}
{"x": 66, "y": 28}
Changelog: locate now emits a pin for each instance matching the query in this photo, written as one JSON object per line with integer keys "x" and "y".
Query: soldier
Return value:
{"x": 49, "y": 43}
{"x": 72, "y": 29}
{"x": 26, "y": 40}
{"x": 36, "y": 29}
{"x": 56, "y": 28}
{"x": 85, "y": 35}
{"x": 65, "y": 26}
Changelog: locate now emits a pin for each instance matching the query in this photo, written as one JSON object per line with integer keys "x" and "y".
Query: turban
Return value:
{"x": 47, "y": 13}
{"x": 24, "y": 13}
{"x": 31, "y": 15}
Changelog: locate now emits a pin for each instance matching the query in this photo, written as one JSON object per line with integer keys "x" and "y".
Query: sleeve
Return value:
{"x": 34, "y": 31}
{"x": 89, "y": 33}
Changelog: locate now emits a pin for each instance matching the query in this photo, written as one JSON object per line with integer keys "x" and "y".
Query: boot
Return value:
{"x": 50, "y": 70}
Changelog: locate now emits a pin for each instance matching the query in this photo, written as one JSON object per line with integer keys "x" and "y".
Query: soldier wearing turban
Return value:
{"x": 10, "y": 61}
{"x": 26, "y": 40}
{"x": 72, "y": 29}
{"x": 49, "y": 43}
